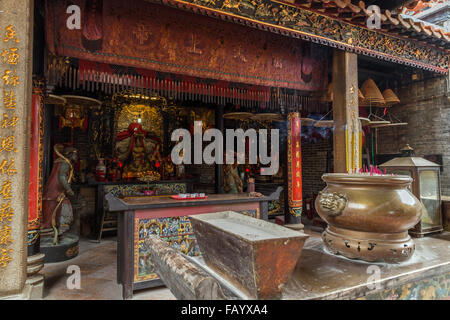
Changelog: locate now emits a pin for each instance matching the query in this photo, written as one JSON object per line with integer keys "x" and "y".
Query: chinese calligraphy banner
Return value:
{"x": 15, "y": 92}
{"x": 145, "y": 35}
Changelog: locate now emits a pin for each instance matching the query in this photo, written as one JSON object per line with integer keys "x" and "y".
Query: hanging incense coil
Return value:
{"x": 324, "y": 124}
{"x": 267, "y": 117}
{"x": 238, "y": 115}
{"x": 54, "y": 99}
{"x": 361, "y": 98}
{"x": 82, "y": 101}
{"x": 390, "y": 97}
{"x": 372, "y": 95}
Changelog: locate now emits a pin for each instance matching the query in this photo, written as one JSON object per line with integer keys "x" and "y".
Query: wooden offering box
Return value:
{"x": 256, "y": 256}
{"x": 140, "y": 217}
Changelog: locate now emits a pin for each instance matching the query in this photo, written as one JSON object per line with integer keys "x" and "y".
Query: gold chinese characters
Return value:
{"x": 9, "y": 80}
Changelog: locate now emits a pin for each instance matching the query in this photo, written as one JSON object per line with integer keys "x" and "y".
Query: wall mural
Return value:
{"x": 145, "y": 35}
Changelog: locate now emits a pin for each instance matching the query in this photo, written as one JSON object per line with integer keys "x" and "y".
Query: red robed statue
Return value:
{"x": 56, "y": 207}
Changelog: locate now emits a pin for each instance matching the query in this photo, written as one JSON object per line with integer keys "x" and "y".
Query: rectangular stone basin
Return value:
{"x": 257, "y": 256}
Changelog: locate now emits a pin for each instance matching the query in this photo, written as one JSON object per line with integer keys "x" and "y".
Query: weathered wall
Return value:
{"x": 314, "y": 165}
{"x": 425, "y": 105}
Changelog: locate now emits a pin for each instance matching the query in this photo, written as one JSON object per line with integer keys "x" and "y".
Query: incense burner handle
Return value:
{"x": 332, "y": 203}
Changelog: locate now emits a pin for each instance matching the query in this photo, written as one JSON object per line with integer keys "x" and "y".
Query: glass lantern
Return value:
{"x": 426, "y": 186}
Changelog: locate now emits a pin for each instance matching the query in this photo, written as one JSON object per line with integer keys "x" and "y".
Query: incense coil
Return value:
{"x": 390, "y": 98}
{"x": 372, "y": 95}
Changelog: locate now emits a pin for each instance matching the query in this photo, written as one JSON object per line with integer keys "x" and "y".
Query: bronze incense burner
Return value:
{"x": 369, "y": 216}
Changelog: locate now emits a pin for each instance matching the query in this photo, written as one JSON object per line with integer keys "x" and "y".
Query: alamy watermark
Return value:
{"x": 73, "y": 22}
{"x": 74, "y": 280}
{"x": 213, "y": 153}
{"x": 374, "y": 19}
{"x": 373, "y": 281}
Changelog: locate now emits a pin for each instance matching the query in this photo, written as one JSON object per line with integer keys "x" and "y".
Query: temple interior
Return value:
{"x": 226, "y": 149}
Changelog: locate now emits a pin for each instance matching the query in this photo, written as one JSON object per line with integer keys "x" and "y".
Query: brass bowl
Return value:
{"x": 369, "y": 216}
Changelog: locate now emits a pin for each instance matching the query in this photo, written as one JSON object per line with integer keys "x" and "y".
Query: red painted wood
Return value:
{"x": 34, "y": 199}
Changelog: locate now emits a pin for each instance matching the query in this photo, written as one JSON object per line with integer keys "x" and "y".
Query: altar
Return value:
{"x": 163, "y": 187}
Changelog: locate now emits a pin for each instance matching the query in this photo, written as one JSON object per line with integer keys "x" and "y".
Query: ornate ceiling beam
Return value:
{"x": 293, "y": 21}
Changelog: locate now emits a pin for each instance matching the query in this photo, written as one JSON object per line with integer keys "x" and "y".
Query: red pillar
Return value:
{"x": 36, "y": 172}
{"x": 294, "y": 164}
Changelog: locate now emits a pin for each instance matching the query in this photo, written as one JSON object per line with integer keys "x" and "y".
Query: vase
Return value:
{"x": 100, "y": 170}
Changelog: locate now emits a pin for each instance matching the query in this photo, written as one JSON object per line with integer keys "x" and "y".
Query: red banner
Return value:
{"x": 150, "y": 36}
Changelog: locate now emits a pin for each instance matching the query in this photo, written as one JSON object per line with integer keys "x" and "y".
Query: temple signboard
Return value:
{"x": 15, "y": 91}
{"x": 154, "y": 37}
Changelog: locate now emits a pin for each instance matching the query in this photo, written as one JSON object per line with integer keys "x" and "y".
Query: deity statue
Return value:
{"x": 137, "y": 149}
{"x": 232, "y": 183}
{"x": 57, "y": 209}
{"x": 169, "y": 168}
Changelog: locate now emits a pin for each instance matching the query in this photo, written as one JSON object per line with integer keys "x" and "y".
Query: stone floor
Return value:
{"x": 97, "y": 262}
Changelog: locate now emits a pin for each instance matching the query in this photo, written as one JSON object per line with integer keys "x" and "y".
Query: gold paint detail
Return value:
{"x": 10, "y": 34}
{"x": 5, "y": 257}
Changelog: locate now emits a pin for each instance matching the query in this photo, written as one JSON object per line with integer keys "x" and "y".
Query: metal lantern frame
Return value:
{"x": 415, "y": 166}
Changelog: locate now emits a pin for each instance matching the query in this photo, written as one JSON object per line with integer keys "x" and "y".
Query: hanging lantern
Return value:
{"x": 426, "y": 186}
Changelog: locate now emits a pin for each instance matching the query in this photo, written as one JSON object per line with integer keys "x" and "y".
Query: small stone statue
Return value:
{"x": 57, "y": 209}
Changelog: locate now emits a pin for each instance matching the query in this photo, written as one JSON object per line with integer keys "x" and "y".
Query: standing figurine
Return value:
{"x": 232, "y": 183}
{"x": 57, "y": 210}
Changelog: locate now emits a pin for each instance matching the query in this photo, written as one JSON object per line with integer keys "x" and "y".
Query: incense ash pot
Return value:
{"x": 369, "y": 216}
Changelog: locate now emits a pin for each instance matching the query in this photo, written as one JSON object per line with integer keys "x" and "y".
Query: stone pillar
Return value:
{"x": 346, "y": 134}
{"x": 16, "y": 45}
{"x": 294, "y": 164}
